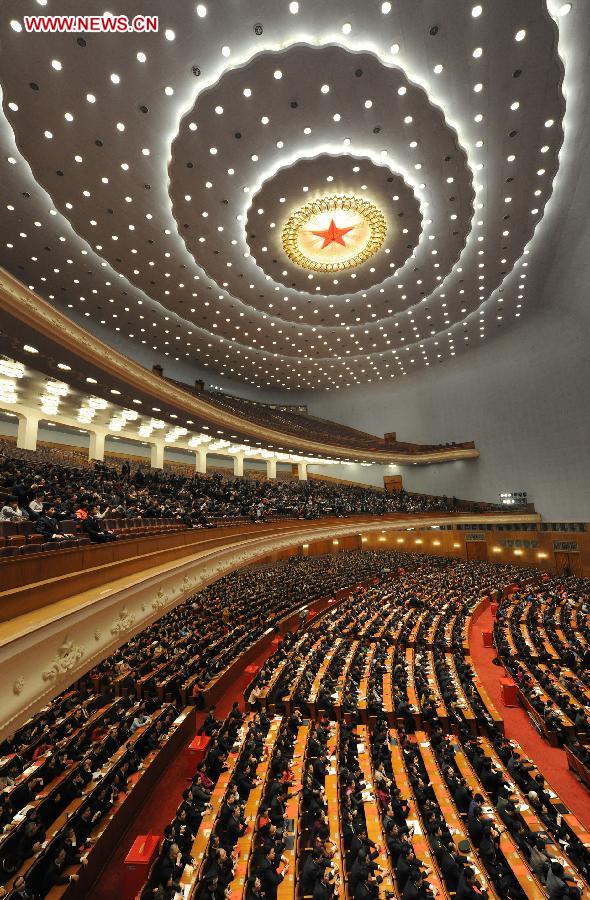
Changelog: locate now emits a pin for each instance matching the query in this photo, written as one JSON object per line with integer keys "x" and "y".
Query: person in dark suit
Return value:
{"x": 55, "y": 872}
{"x": 270, "y": 875}
{"x": 94, "y": 527}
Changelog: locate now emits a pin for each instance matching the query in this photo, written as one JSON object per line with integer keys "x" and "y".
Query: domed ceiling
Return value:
{"x": 295, "y": 195}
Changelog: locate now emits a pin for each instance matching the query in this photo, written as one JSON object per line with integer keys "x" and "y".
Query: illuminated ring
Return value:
{"x": 372, "y": 216}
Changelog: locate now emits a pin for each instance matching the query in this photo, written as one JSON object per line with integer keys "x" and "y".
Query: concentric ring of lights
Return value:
{"x": 370, "y": 215}
{"x": 323, "y": 32}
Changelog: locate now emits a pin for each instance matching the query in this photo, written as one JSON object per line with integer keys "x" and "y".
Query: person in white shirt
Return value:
{"x": 36, "y": 507}
{"x": 11, "y": 512}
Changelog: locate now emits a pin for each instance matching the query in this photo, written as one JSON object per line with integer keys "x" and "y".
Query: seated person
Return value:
{"x": 95, "y": 529}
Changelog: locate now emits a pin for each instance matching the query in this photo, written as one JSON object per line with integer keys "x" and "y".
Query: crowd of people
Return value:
{"x": 389, "y": 653}
{"x": 39, "y": 487}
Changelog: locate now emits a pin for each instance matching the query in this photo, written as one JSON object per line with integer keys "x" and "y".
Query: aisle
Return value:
{"x": 161, "y": 804}
{"x": 551, "y": 761}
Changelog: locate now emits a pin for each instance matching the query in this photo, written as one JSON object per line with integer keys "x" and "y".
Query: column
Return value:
{"x": 302, "y": 471}
{"x": 201, "y": 460}
{"x": 28, "y": 426}
{"x": 157, "y": 455}
{"x": 271, "y": 468}
{"x": 96, "y": 444}
{"x": 238, "y": 464}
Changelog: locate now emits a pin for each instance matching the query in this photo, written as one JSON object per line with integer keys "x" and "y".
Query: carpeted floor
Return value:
{"x": 161, "y": 804}
{"x": 551, "y": 761}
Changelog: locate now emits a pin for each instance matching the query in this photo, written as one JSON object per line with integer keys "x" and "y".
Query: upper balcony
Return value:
{"x": 59, "y": 348}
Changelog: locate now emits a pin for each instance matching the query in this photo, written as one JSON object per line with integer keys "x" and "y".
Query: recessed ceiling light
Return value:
{"x": 368, "y": 104}
{"x": 91, "y": 380}
{"x": 514, "y": 106}
{"x": 346, "y": 28}
{"x": 115, "y": 78}
{"x": 520, "y": 35}
{"x": 294, "y": 8}
{"x": 212, "y": 150}
{"x": 549, "y": 123}
{"x": 120, "y": 126}
{"x": 386, "y": 7}
{"x": 438, "y": 69}
{"x": 325, "y": 88}
{"x": 201, "y": 10}
{"x": 11, "y": 160}
{"x": 478, "y": 88}
{"x": 91, "y": 98}
{"x": 477, "y": 52}
{"x": 394, "y": 49}
{"x": 225, "y": 51}
{"x": 408, "y": 120}
{"x": 48, "y": 135}
{"x": 141, "y": 57}
{"x": 477, "y": 11}
{"x": 219, "y": 110}
{"x": 564, "y": 9}
{"x": 247, "y": 92}
{"x": 16, "y": 25}
{"x": 278, "y": 74}
{"x": 55, "y": 64}
{"x": 168, "y": 91}
{"x": 64, "y": 366}
{"x": 13, "y": 107}
{"x": 402, "y": 90}
{"x": 68, "y": 117}
{"x": 29, "y": 349}
{"x": 169, "y": 34}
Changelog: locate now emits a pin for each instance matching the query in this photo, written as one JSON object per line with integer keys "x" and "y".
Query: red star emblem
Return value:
{"x": 333, "y": 234}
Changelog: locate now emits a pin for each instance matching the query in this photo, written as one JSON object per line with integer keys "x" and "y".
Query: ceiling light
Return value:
{"x": 168, "y": 91}
{"x": 346, "y": 28}
{"x": 115, "y": 78}
{"x": 477, "y": 11}
{"x": 91, "y": 98}
{"x": 514, "y": 106}
{"x": 477, "y": 52}
{"x": 325, "y": 88}
{"x": 520, "y": 35}
{"x": 55, "y": 64}
{"x": 549, "y": 123}
{"x": 225, "y": 51}
{"x": 294, "y": 8}
{"x": 16, "y": 25}
{"x": 13, "y": 106}
{"x": 141, "y": 57}
{"x": 402, "y": 90}
{"x": 394, "y": 49}
{"x": 563, "y": 10}
{"x": 438, "y": 69}
{"x": 386, "y": 7}
{"x": 277, "y": 74}
{"x": 201, "y": 10}
{"x": 247, "y": 92}
{"x": 169, "y": 34}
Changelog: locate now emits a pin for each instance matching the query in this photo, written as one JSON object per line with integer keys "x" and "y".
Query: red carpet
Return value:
{"x": 551, "y": 761}
{"x": 161, "y": 804}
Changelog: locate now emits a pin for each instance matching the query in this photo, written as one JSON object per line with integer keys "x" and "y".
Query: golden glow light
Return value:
{"x": 334, "y": 233}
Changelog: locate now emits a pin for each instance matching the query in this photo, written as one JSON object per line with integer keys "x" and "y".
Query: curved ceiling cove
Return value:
{"x": 298, "y": 196}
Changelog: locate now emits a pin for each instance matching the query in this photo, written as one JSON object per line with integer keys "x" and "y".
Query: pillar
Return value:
{"x": 302, "y": 471}
{"x": 96, "y": 445}
{"x": 157, "y": 455}
{"x": 201, "y": 460}
{"x": 271, "y": 468}
{"x": 238, "y": 464}
{"x": 28, "y": 426}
